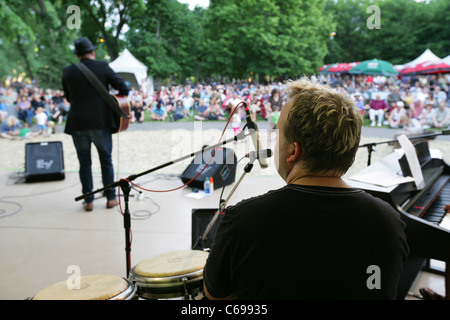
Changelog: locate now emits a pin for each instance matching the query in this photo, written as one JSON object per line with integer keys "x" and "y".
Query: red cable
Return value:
{"x": 212, "y": 156}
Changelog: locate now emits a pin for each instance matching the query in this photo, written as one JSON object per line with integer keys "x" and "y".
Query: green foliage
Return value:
{"x": 232, "y": 39}
{"x": 408, "y": 27}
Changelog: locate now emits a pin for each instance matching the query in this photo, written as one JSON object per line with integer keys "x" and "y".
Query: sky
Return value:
{"x": 193, "y": 3}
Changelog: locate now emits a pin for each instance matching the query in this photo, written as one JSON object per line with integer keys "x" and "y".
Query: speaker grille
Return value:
{"x": 44, "y": 161}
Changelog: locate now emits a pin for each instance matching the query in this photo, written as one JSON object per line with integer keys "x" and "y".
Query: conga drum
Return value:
{"x": 170, "y": 275}
{"x": 93, "y": 287}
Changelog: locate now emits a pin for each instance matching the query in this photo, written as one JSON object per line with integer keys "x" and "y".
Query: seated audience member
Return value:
{"x": 396, "y": 114}
{"x": 159, "y": 112}
{"x": 411, "y": 125}
{"x": 202, "y": 109}
{"x": 215, "y": 112}
{"x": 11, "y": 128}
{"x": 180, "y": 111}
{"x": 137, "y": 107}
{"x": 377, "y": 109}
{"x": 359, "y": 102}
{"x": 441, "y": 117}
{"x": 426, "y": 120}
{"x": 24, "y": 110}
{"x": 314, "y": 222}
{"x": 416, "y": 108}
{"x": 408, "y": 98}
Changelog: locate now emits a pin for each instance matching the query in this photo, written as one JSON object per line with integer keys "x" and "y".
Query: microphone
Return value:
{"x": 255, "y": 135}
{"x": 261, "y": 154}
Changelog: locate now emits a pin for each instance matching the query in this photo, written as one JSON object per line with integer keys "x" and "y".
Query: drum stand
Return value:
{"x": 126, "y": 187}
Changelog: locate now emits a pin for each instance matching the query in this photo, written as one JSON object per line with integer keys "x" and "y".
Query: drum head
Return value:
{"x": 172, "y": 264}
{"x": 95, "y": 287}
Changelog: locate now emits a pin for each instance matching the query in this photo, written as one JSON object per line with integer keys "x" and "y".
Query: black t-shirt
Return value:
{"x": 304, "y": 242}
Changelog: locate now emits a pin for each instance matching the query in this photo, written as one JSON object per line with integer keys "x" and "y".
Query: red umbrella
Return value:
{"x": 428, "y": 67}
{"x": 343, "y": 67}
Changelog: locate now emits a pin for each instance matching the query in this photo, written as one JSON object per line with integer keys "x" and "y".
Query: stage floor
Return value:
{"x": 45, "y": 233}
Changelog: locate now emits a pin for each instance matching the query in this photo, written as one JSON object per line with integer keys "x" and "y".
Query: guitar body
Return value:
{"x": 122, "y": 123}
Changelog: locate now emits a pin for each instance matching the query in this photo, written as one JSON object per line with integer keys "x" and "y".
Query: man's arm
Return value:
{"x": 210, "y": 297}
{"x": 116, "y": 81}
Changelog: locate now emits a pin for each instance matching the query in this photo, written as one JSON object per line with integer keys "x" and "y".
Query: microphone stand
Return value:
{"x": 126, "y": 188}
{"x": 370, "y": 146}
{"x": 223, "y": 203}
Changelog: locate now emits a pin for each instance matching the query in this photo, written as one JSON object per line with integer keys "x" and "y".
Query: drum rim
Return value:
{"x": 126, "y": 294}
{"x": 192, "y": 276}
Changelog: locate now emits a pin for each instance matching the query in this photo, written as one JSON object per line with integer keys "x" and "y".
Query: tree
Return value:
{"x": 270, "y": 38}
{"x": 35, "y": 39}
{"x": 165, "y": 36}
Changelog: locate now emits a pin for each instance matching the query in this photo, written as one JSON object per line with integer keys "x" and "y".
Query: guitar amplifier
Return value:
{"x": 44, "y": 161}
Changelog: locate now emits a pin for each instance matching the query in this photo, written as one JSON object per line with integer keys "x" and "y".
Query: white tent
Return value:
{"x": 132, "y": 71}
{"x": 447, "y": 59}
{"x": 426, "y": 56}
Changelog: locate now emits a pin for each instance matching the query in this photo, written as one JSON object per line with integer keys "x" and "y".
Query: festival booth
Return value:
{"x": 426, "y": 56}
{"x": 133, "y": 72}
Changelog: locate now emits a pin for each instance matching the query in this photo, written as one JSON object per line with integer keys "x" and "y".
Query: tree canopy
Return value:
{"x": 231, "y": 39}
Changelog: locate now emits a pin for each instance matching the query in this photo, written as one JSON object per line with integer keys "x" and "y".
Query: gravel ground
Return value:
{"x": 145, "y": 146}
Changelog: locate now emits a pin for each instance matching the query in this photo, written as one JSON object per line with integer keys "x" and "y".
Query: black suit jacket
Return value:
{"x": 88, "y": 110}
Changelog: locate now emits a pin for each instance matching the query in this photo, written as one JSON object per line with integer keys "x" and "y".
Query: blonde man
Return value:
{"x": 316, "y": 237}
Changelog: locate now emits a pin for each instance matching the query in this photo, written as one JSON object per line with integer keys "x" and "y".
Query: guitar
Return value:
{"x": 122, "y": 118}
{"x": 118, "y": 103}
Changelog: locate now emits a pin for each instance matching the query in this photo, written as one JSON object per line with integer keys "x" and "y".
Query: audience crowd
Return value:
{"x": 411, "y": 103}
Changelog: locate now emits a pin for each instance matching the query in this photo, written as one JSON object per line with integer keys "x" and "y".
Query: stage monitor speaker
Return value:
{"x": 221, "y": 168}
{"x": 44, "y": 161}
{"x": 200, "y": 221}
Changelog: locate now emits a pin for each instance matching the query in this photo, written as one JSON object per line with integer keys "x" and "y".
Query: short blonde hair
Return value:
{"x": 326, "y": 124}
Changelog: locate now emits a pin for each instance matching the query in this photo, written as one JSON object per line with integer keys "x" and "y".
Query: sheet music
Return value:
{"x": 381, "y": 178}
{"x": 413, "y": 161}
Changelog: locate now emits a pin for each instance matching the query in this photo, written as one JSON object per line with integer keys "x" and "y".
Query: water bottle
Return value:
{"x": 211, "y": 184}
{"x": 207, "y": 186}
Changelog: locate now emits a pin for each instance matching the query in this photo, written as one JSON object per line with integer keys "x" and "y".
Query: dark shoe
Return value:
{"x": 429, "y": 294}
{"x": 88, "y": 206}
{"x": 111, "y": 203}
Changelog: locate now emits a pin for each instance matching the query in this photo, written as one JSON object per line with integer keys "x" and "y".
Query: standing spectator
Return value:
{"x": 10, "y": 98}
{"x": 274, "y": 102}
{"x": 441, "y": 117}
{"x": 3, "y": 111}
{"x": 41, "y": 120}
{"x": 377, "y": 109}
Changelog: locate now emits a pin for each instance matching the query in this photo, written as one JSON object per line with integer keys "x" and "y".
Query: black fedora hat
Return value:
{"x": 83, "y": 45}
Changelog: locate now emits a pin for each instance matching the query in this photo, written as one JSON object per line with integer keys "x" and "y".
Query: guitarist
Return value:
{"x": 90, "y": 119}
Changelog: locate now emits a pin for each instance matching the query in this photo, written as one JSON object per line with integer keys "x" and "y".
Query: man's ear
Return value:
{"x": 295, "y": 152}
